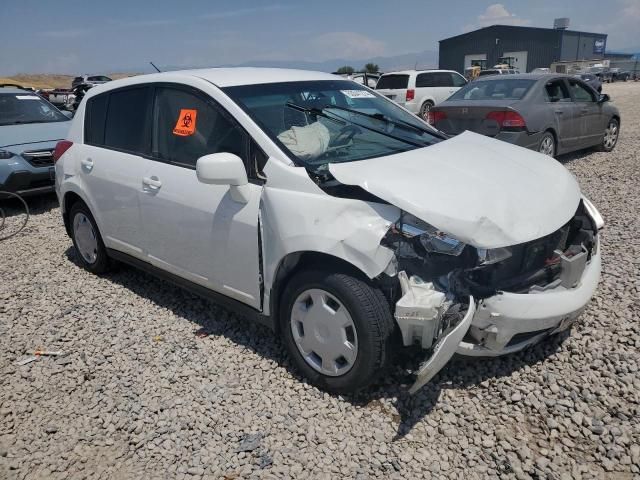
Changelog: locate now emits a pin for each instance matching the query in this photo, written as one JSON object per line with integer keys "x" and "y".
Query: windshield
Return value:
{"x": 497, "y": 89}
{"x": 331, "y": 121}
{"x": 18, "y": 108}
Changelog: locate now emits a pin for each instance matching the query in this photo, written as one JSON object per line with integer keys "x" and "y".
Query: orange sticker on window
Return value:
{"x": 186, "y": 124}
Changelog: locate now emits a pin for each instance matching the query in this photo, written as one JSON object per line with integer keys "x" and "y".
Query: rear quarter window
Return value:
{"x": 94, "y": 119}
{"x": 393, "y": 82}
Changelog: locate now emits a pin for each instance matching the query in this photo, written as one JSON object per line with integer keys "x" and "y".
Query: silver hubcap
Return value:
{"x": 425, "y": 110}
{"x": 86, "y": 239}
{"x": 324, "y": 332}
{"x": 611, "y": 135}
{"x": 546, "y": 146}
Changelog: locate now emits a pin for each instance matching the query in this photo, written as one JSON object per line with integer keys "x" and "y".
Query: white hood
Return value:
{"x": 484, "y": 192}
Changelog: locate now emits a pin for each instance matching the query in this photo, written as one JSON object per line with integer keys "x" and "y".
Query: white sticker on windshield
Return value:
{"x": 357, "y": 94}
{"x": 27, "y": 97}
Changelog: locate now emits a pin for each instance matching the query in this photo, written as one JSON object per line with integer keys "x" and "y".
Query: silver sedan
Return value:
{"x": 553, "y": 114}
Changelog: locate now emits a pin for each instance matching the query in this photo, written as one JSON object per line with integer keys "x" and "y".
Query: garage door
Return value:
{"x": 519, "y": 60}
{"x": 476, "y": 56}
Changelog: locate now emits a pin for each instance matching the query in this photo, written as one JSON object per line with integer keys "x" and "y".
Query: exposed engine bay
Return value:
{"x": 440, "y": 280}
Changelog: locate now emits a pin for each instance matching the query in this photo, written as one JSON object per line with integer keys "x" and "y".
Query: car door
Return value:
{"x": 194, "y": 230}
{"x": 116, "y": 139}
{"x": 566, "y": 122}
{"x": 457, "y": 82}
{"x": 589, "y": 113}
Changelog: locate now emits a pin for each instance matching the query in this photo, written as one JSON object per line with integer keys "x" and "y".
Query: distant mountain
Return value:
{"x": 425, "y": 59}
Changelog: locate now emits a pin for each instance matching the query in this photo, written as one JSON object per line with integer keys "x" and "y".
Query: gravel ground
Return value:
{"x": 157, "y": 383}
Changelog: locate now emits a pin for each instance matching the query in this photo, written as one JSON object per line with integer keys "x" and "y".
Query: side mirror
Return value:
{"x": 224, "y": 169}
{"x": 603, "y": 98}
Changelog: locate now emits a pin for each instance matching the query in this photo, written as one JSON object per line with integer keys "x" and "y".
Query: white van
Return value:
{"x": 320, "y": 208}
{"x": 419, "y": 90}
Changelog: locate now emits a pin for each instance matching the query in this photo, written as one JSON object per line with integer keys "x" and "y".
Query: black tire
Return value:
{"x": 373, "y": 322}
{"x": 102, "y": 263}
{"x": 606, "y": 146}
{"x": 544, "y": 144}
{"x": 424, "y": 109}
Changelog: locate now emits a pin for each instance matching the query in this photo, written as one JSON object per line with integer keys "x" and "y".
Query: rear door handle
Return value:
{"x": 152, "y": 182}
{"x": 87, "y": 163}
{"x": 559, "y": 112}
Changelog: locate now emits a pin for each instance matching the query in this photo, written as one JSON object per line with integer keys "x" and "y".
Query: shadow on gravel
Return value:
{"x": 38, "y": 204}
{"x": 461, "y": 373}
{"x": 574, "y": 156}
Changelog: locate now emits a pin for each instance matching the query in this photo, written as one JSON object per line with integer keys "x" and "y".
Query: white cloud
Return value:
{"x": 68, "y": 33}
{"x": 349, "y": 45}
{"x": 497, "y": 14}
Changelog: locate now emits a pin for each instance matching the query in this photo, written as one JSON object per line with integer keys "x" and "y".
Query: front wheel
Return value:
{"x": 610, "y": 136}
{"x": 337, "y": 329}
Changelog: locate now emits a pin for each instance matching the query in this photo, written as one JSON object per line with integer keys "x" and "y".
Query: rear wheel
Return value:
{"x": 610, "y": 136}
{"x": 337, "y": 329}
{"x": 425, "y": 109}
{"x": 87, "y": 240}
{"x": 548, "y": 144}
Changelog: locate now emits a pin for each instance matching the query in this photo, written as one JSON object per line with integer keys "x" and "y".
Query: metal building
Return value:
{"x": 530, "y": 47}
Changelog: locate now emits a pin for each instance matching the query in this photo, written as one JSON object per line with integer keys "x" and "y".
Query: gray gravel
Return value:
{"x": 156, "y": 383}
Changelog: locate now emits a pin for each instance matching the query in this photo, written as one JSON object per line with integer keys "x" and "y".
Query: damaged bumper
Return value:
{"x": 508, "y": 322}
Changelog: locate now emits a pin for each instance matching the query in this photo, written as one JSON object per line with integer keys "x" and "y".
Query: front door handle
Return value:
{"x": 87, "y": 163}
{"x": 559, "y": 112}
{"x": 152, "y": 182}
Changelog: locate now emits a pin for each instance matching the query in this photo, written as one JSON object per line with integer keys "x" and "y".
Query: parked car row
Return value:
{"x": 325, "y": 210}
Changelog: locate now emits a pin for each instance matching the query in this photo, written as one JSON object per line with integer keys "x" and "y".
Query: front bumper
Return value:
{"x": 25, "y": 183}
{"x": 509, "y": 322}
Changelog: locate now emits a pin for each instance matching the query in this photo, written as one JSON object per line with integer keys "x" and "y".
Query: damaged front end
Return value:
{"x": 452, "y": 297}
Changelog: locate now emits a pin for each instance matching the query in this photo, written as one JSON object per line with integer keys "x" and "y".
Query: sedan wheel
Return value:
{"x": 610, "y": 135}
{"x": 548, "y": 145}
{"x": 324, "y": 332}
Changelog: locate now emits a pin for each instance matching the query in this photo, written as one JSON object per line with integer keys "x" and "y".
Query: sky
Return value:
{"x": 71, "y": 36}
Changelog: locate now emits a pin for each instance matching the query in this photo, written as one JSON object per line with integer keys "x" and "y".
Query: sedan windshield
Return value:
{"x": 499, "y": 88}
{"x": 331, "y": 121}
{"x": 19, "y": 108}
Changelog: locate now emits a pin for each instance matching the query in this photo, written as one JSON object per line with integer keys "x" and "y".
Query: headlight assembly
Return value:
{"x": 5, "y": 155}
{"x": 432, "y": 239}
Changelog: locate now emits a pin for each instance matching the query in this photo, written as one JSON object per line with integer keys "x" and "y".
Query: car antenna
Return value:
{"x": 157, "y": 69}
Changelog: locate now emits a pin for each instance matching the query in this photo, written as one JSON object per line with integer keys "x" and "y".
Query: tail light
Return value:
{"x": 435, "y": 116}
{"x": 507, "y": 119}
{"x": 411, "y": 94}
{"x": 61, "y": 147}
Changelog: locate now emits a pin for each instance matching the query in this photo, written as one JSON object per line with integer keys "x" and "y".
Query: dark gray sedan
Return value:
{"x": 552, "y": 114}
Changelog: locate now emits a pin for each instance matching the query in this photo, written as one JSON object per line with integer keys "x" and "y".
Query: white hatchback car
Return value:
{"x": 322, "y": 209}
{"x": 419, "y": 90}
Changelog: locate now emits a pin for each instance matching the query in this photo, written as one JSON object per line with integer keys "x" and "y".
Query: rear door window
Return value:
{"x": 129, "y": 120}
{"x": 557, "y": 91}
{"x": 581, "y": 92}
{"x": 393, "y": 82}
{"x": 188, "y": 126}
{"x": 434, "y": 79}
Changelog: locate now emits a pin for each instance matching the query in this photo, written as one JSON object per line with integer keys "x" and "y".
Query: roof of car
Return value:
{"x": 15, "y": 90}
{"x": 230, "y": 77}
{"x": 409, "y": 72}
{"x": 520, "y": 76}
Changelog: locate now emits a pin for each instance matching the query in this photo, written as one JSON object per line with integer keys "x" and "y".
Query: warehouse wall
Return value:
{"x": 582, "y": 46}
{"x": 543, "y": 45}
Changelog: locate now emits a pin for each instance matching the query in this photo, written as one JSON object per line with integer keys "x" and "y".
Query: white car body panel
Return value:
{"x": 485, "y": 193}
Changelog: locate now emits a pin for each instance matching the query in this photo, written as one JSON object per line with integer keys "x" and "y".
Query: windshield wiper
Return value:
{"x": 335, "y": 118}
{"x": 381, "y": 117}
